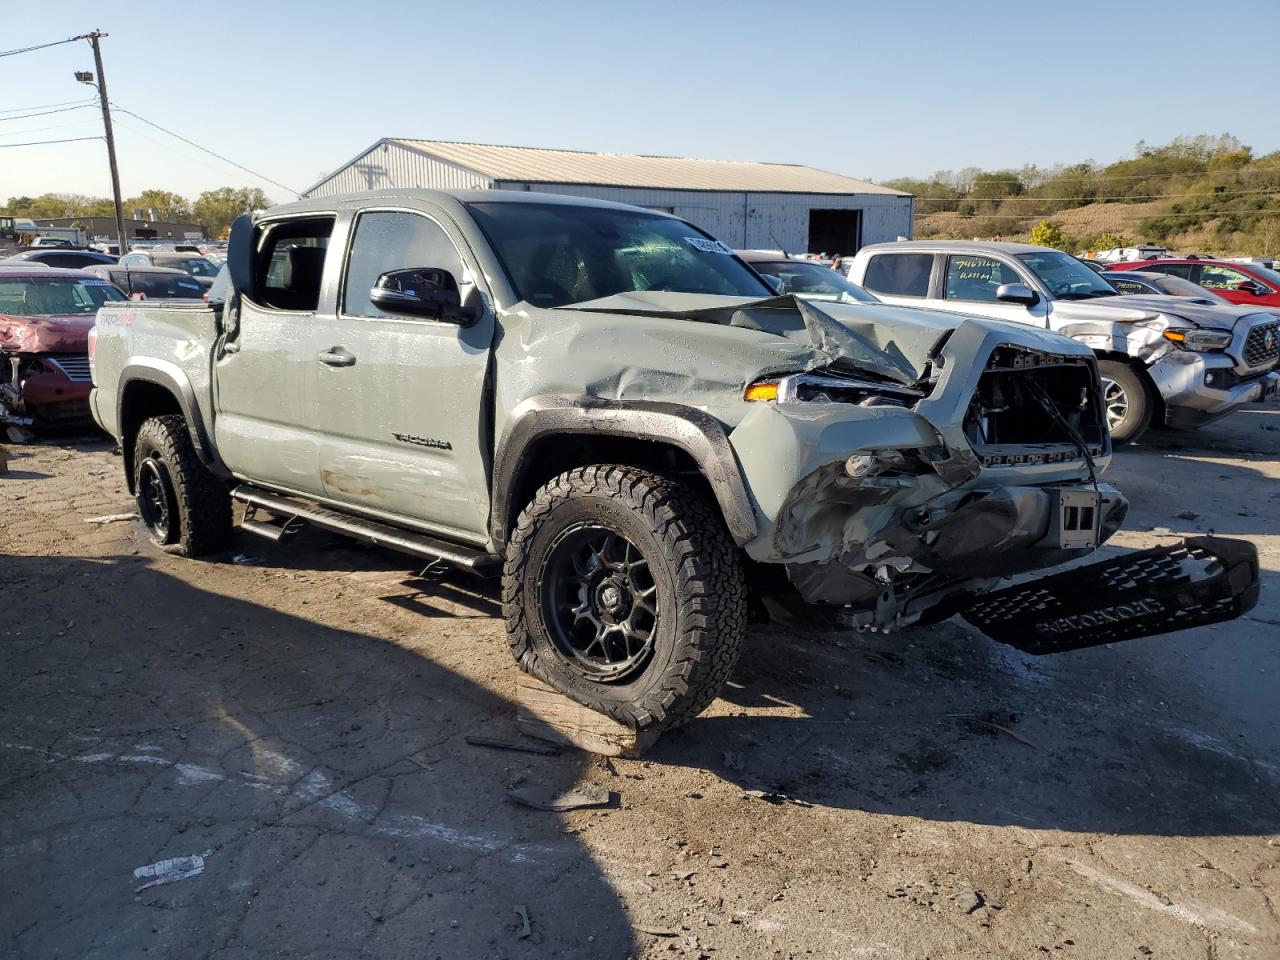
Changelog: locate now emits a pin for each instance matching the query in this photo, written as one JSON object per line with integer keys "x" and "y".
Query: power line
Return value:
{"x": 45, "y": 113}
{"x": 40, "y": 46}
{"x": 51, "y": 126}
{"x": 1130, "y": 216}
{"x": 36, "y": 143}
{"x": 43, "y": 106}
{"x": 1153, "y": 196}
{"x": 211, "y": 153}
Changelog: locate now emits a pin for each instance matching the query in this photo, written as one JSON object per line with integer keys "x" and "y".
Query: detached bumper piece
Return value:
{"x": 1202, "y": 580}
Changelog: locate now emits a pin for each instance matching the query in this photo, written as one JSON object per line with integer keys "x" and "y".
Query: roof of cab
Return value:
{"x": 963, "y": 246}
{"x": 446, "y": 198}
{"x": 32, "y": 271}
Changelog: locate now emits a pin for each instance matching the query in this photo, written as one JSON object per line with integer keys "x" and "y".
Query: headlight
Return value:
{"x": 1201, "y": 341}
{"x": 828, "y": 388}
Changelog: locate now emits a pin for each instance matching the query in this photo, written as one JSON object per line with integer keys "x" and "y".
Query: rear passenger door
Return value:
{"x": 266, "y": 422}
{"x": 405, "y": 429}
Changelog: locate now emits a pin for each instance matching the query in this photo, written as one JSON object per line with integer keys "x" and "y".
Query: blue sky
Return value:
{"x": 294, "y": 89}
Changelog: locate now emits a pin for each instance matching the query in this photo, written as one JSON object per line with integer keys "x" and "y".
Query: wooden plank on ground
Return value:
{"x": 549, "y": 715}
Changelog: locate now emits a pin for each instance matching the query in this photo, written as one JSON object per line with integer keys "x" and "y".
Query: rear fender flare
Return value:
{"x": 171, "y": 377}
{"x": 688, "y": 429}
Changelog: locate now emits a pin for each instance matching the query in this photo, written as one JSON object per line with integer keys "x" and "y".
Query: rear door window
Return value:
{"x": 899, "y": 274}
{"x": 289, "y": 263}
{"x": 977, "y": 278}
{"x": 1182, "y": 270}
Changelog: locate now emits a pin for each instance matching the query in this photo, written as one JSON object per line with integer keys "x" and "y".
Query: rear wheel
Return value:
{"x": 185, "y": 508}
{"x": 1126, "y": 400}
{"x": 623, "y": 590}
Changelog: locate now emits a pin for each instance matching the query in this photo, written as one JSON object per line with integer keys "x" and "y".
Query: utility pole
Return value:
{"x": 93, "y": 38}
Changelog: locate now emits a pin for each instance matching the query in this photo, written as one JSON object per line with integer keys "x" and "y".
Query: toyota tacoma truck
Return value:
{"x": 610, "y": 410}
{"x": 1163, "y": 359}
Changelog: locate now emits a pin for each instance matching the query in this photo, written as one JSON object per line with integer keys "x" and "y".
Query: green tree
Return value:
{"x": 996, "y": 186}
{"x": 216, "y": 209}
{"x": 1046, "y": 233}
{"x": 167, "y": 205}
{"x": 1107, "y": 241}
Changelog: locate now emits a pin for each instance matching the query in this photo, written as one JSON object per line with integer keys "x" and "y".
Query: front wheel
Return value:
{"x": 623, "y": 590}
{"x": 1126, "y": 400}
{"x": 185, "y": 508}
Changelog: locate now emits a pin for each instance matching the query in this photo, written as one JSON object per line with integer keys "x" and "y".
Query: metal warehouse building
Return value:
{"x": 749, "y": 205}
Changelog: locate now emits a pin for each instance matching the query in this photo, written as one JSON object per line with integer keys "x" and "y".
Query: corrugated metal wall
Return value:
{"x": 390, "y": 165}
{"x": 747, "y": 220}
{"x": 754, "y": 220}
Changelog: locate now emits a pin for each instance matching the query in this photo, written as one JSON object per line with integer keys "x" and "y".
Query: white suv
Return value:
{"x": 1164, "y": 357}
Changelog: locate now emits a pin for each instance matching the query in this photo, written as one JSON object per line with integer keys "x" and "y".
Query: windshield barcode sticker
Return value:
{"x": 708, "y": 246}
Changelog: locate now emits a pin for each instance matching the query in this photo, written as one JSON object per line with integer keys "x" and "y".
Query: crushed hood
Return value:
{"x": 46, "y": 334}
{"x": 1141, "y": 307}
{"x": 891, "y": 341}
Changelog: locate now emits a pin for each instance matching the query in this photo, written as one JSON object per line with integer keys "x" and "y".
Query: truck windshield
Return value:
{"x": 560, "y": 253}
{"x": 1065, "y": 276}
{"x": 36, "y": 297}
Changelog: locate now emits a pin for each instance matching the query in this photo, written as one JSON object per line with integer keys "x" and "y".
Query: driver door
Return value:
{"x": 404, "y": 430}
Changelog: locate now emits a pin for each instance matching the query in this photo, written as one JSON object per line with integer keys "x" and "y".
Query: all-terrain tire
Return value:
{"x": 1136, "y": 394}
{"x": 701, "y": 607}
{"x": 198, "y": 504}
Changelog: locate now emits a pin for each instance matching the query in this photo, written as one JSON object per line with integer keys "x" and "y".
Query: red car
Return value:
{"x": 45, "y": 318}
{"x": 1247, "y": 283}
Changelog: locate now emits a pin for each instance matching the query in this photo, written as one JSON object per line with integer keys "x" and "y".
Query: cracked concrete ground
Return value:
{"x": 300, "y": 717}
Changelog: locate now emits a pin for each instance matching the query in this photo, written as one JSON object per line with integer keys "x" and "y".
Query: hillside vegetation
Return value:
{"x": 1203, "y": 193}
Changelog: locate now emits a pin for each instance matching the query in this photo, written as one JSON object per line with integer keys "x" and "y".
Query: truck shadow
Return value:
{"x": 322, "y": 769}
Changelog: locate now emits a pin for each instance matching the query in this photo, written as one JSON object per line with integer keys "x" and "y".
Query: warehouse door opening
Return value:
{"x": 835, "y": 232}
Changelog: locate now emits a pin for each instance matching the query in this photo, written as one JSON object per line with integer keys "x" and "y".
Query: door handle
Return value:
{"x": 336, "y": 357}
{"x": 231, "y": 347}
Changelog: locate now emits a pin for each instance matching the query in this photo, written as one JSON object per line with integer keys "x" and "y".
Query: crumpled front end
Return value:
{"x": 890, "y": 501}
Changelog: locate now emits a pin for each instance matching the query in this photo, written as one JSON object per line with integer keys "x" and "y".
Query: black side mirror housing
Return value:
{"x": 1253, "y": 287}
{"x": 1017, "y": 293}
{"x": 240, "y": 255}
{"x": 427, "y": 292}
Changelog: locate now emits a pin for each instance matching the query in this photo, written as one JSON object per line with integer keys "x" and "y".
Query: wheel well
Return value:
{"x": 1140, "y": 368}
{"x": 552, "y": 455}
{"x": 142, "y": 400}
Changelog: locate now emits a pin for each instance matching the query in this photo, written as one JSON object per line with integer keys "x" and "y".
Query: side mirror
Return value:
{"x": 775, "y": 282}
{"x": 428, "y": 292}
{"x": 1017, "y": 293}
{"x": 1253, "y": 287}
{"x": 240, "y": 255}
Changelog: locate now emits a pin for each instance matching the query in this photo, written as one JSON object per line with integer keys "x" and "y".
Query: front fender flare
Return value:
{"x": 693, "y": 431}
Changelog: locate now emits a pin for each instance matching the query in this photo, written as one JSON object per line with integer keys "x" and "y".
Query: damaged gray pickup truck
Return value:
{"x": 610, "y": 409}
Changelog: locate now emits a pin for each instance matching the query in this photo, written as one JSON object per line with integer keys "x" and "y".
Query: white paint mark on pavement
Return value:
{"x": 1198, "y": 916}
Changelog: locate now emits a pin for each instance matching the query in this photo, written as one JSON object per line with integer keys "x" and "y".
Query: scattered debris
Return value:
{"x": 526, "y": 930}
{"x": 718, "y": 863}
{"x": 244, "y": 560}
{"x": 1026, "y": 864}
{"x": 113, "y": 518}
{"x": 542, "y": 749}
{"x": 544, "y": 798}
{"x": 684, "y": 874}
{"x": 1162, "y": 531}
{"x": 775, "y": 797}
{"x": 170, "y": 871}
{"x": 656, "y": 931}
{"x": 969, "y": 901}
{"x": 1188, "y": 515}
{"x": 1003, "y": 729}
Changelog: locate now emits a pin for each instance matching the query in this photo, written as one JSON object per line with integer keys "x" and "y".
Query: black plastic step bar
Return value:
{"x": 1199, "y": 581}
{"x": 370, "y": 531}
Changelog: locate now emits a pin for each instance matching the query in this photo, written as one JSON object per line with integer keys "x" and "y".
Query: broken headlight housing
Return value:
{"x": 1197, "y": 340}
{"x": 831, "y": 388}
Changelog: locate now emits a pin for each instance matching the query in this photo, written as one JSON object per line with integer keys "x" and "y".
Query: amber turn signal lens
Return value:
{"x": 761, "y": 391}
{"x": 1177, "y": 336}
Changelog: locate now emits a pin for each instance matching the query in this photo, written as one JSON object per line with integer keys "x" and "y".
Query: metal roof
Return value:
{"x": 539, "y": 165}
